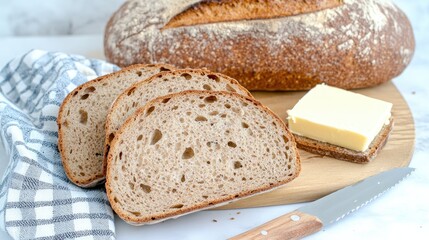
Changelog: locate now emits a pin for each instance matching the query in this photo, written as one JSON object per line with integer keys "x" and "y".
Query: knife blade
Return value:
{"x": 327, "y": 210}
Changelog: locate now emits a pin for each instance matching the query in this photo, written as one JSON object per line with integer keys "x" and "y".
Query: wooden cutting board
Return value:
{"x": 322, "y": 175}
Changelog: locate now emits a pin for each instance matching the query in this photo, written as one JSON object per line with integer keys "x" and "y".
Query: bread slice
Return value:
{"x": 81, "y": 122}
{"x": 194, "y": 150}
{"x": 330, "y": 150}
{"x": 162, "y": 84}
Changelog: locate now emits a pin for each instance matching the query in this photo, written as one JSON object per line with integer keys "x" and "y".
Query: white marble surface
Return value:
{"x": 401, "y": 213}
{"x": 53, "y": 17}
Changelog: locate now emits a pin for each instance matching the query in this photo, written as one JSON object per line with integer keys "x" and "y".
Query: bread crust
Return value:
{"x": 205, "y": 205}
{"x": 115, "y": 104}
{"x": 88, "y": 181}
{"x": 330, "y": 150}
{"x": 359, "y": 44}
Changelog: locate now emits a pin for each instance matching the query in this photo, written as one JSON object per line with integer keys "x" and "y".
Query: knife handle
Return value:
{"x": 294, "y": 225}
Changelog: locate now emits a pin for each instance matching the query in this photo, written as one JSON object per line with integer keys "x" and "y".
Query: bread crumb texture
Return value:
{"x": 81, "y": 122}
{"x": 195, "y": 150}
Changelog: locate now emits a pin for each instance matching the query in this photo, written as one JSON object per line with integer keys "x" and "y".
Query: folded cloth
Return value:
{"x": 37, "y": 201}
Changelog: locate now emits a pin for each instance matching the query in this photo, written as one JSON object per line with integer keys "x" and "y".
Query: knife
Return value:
{"x": 327, "y": 210}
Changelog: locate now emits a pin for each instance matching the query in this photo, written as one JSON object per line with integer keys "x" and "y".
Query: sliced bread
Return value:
{"x": 194, "y": 150}
{"x": 162, "y": 84}
{"x": 341, "y": 153}
{"x": 81, "y": 121}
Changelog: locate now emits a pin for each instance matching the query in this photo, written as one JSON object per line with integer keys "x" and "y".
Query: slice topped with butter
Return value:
{"x": 341, "y": 124}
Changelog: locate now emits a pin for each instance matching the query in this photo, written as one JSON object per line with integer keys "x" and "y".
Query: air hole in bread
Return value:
{"x": 223, "y": 115}
{"x": 213, "y": 77}
{"x": 89, "y": 90}
{"x": 139, "y": 73}
{"x": 131, "y": 91}
{"x": 237, "y": 165}
{"x": 286, "y": 155}
{"x": 65, "y": 123}
{"x": 115, "y": 200}
{"x": 68, "y": 112}
{"x": 156, "y": 136}
{"x": 166, "y": 100}
{"x": 187, "y": 76}
{"x": 188, "y": 153}
{"x": 140, "y": 137}
{"x": 287, "y": 147}
{"x": 137, "y": 214}
{"x": 227, "y": 105}
{"x": 213, "y": 113}
{"x": 201, "y": 105}
{"x": 85, "y": 96}
{"x": 200, "y": 119}
{"x": 210, "y": 99}
{"x": 75, "y": 93}
{"x": 177, "y": 206}
{"x": 120, "y": 155}
{"x": 208, "y": 162}
{"x": 174, "y": 190}
{"x": 289, "y": 166}
{"x": 83, "y": 116}
{"x": 71, "y": 151}
{"x": 174, "y": 108}
{"x": 232, "y": 144}
{"x": 145, "y": 188}
{"x": 82, "y": 174}
{"x": 111, "y": 137}
{"x": 207, "y": 87}
{"x": 149, "y": 111}
{"x": 134, "y": 105}
{"x": 243, "y": 179}
{"x": 244, "y": 125}
{"x": 182, "y": 120}
{"x": 163, "y": 69}
{"x": 285, "y": 139}
{"x": 183, "y": 179}
{"x": 205, "y": 197}
{"x": 230, "y": 88}
{"x": 131, "y": 185}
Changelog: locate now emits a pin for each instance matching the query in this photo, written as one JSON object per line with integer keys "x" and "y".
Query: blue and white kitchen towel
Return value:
{"x": 37, "y": 201}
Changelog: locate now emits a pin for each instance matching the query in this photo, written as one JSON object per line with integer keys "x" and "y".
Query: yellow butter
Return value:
{"x": 339, "y": 117}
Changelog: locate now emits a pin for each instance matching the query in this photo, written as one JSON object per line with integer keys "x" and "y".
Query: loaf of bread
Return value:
{"x": 162, "y": 84}
{"x": 195, "y": 150}
{"x": 81, "y": 121}
{"x": 267, "y": 45}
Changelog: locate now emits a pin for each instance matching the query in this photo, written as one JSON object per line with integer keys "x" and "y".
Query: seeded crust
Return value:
{"x": 149, "y": 181}
{"x": 137, "y": 95}
{"x": 326, "y": 149}
{"x": 81, "y": 121}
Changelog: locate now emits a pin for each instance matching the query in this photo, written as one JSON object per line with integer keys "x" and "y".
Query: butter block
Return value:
{"x": 339, "y": 117}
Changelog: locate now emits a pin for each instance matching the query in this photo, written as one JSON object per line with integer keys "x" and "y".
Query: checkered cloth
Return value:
{"x": 37, "y": 201}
